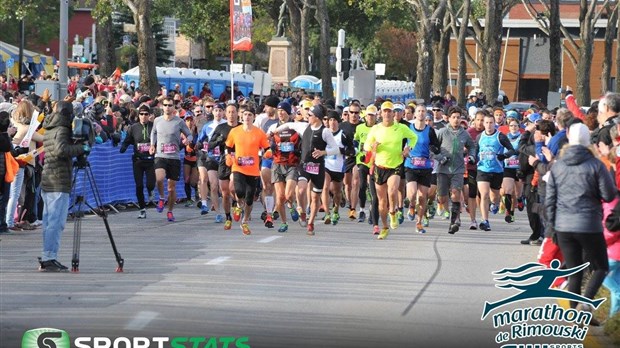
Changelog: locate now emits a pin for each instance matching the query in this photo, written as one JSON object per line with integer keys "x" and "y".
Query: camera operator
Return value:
{"x": 56, "y": 181}
{"x": 139, "y": 135}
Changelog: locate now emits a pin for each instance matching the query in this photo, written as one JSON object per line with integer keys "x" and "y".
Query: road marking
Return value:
{"x": 141, "y": 320}
{"x": 269, "y": 239}
{"x": 218, "y": 260}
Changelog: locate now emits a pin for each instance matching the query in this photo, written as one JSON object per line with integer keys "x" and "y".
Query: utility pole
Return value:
{"x": 339, "y": 70}
{"x": 62, "y": 48}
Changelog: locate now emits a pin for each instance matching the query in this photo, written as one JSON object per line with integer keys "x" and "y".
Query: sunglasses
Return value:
{"x": 167, "y": 105}
{"x": 354, "y": 112}
{"x": 198, "y": 112}
{"x": 144, "y": 114}
{"x": 436, "y": 109}
{"x": 325, "y": 119}
{"x": 208, "y": 106}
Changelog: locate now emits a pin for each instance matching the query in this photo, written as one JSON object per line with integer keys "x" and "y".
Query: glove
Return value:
{"x": 86, "y": 149}
{"x": 471, "y": 160}
{"x": 444, "y": 160}
{"x": 501, "y": 156}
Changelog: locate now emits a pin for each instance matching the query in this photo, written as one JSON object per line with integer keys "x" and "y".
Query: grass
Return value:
{"x": 611, "y": 326}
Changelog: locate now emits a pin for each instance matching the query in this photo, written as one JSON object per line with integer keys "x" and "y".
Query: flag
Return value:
{"x": 241, "y": 25}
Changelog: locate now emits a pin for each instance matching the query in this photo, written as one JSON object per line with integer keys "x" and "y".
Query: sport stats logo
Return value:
{"x": 46, "y": 338}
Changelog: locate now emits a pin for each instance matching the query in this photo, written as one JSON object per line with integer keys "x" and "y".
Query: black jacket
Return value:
{"x": 138, "y": 134}
{"x": 576, "y": 185}
{"x": 59, "y": 150}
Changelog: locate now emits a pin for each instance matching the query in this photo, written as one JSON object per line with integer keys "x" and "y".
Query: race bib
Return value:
{"x": 487, "y": 156}
{"x": 287, "y": 147}
{"x": 205, "y": 146}
{"x": 513, "y": 162}
{"x": 419, "y": 161}
{"x": 169, "y": 148}
{"x": 144, "y": 147}
{"x": 245, "y": 161}
{"x": 312, "y": 168}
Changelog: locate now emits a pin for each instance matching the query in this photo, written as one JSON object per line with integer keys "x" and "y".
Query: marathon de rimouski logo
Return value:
{"x": 534, "y": 281}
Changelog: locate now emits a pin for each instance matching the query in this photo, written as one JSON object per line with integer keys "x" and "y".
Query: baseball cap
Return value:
{"x": 220, "y": 106}
{"x": 399, "y": 107}
{"x": 387, "y": 105}
{"x": 512, "y": 114}
{"x": 371, "y": 110}
{"x": 306, "y": 104}
{"x": 535, "y": 117}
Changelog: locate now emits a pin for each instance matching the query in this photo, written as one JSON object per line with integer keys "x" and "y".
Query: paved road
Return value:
{"x": 340, "y": 288}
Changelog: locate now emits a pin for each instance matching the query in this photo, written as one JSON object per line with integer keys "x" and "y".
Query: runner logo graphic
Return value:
{"x": 46, "y": 338}
{"x": 515, "y": 277}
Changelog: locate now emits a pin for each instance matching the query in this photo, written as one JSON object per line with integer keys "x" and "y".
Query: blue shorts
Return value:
{"x": 266, "y": 163}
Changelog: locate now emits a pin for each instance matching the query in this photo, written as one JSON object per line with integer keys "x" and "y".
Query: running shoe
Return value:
{"x": 400, "y": 217}
{"x": 303, "y": 222}
{"x": 453, "y": 228}
{"x": 263, "y": 215}
{"x": 189, "y": 202}
{"x": 352, "y": 214}
{"x": 393, "y": 221}
{"x": 321, "y": 209}
{"x": 170, "y": 216}
{"x": 327, "y": 219}
{"x": 432, "y": 210}
{"x": 411, "y": 214}
{"x": 268, "y": 221}
{"x": 310, "y": 230}
{"x": 493, "y": 208}
{"x": 445, "y": 215}
{"x": 142, "y": 214}
{"x": 275, "y": 215}
{"x": 245, "y": 229}
{"x": 204, "y": 210}
{"x": 473, "y": 225}
{"x": 425, "y": 221}
{"x": 384, "y": 233}
{"x": 160, "y": 206}
{"x": 52, "y": 266}
{"x": 502, "y": 205}
{"x": 485, "y": 226}
{"x": 521, "y": 203}
{"x": 219, "y": 218}
{"x": 375, "y": 230}
{"x": 419, "y": 228}
{"x": 228, "y": 225}
{"x": 294, "y": 214}
{"x": 283, "y": 227}
{"x": 236, "y": 213}
{"x": 509, "y": 218}
{"x": 336, "y": 217}
{"x": 362, "y": 217}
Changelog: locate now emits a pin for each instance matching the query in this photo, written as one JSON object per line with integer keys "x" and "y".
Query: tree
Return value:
{"x": 610, "y": 33}
{"x": 401, "y": 45}
{"x": 461, "y": 34}
{"x": 106, "y": 53}
{"x": 141, "y": 10}
{"x": 40, "y": 20}
{"x": 323, "y": 18}
{"x": 580, "y": 55}
{"x": 555, "y": 47}
{"x": 441, "y": 50}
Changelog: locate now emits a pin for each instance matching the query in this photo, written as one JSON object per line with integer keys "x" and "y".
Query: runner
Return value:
{"x": 453, "y": 139}
{"x": 269, "y": 118}
{"x": 217, "y": 140}
{"x": 243, "y": 144}
{"x": 190, "y": 169}
{"x": 493, "y": 147}
{"x": 208, "y": 163}
{"x": 139, "y": 135}
{"x": 386, "y": 140}
{"x": 165, "y": 140}
{"x": 419, "y": 168}
{"x": 361, "y": 133}
{"x": 351, "y": 176}
{"x": 335, "y": 168}
{"x": 473, "y": 199}
{"x": 317, "y": 142}
{"x": 286, "y": 147}
{"x": 511, "y": 184}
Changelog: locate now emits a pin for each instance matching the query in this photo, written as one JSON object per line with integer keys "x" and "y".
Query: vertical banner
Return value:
{"x": 240, "y": 25}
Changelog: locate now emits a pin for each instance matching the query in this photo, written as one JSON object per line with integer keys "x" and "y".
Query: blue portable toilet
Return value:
{"x": 189, "y": 79}
{"x": 245, "y": 82}
{"x": 221, "y": 79}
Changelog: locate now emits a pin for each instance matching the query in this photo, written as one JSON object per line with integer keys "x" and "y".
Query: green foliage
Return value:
{"x": 478, "y": 9}
{"x": 40, "y": 21}
{"x": 124, "y": 15}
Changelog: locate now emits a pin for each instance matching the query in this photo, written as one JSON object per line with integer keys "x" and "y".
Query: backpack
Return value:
{"x": 11, "y": 165}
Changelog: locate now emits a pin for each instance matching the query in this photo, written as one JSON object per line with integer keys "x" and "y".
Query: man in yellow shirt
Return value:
{"x": 386, "y": 140}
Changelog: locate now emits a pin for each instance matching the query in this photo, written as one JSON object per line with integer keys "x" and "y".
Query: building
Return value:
{"x": 524, "y": 60}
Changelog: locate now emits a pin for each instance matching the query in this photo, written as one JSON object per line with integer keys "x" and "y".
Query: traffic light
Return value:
{"x": 343, "y": 63}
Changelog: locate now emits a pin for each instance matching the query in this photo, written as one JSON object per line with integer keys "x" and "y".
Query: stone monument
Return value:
{"x": 280, "y": 50}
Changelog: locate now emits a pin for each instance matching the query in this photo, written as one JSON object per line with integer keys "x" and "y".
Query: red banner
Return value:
{"x": 241, "y": 25}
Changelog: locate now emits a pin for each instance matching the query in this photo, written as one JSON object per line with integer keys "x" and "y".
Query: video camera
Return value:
{"x": 83, "y": 131}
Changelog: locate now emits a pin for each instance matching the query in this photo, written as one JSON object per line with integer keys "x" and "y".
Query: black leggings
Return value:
{"x": 245, "y": 187}
{"x": 573, "y": 246}
{"x": 363, "y": 175}
{"x": 374, "y": 212}
{"x": 141, "y": 168}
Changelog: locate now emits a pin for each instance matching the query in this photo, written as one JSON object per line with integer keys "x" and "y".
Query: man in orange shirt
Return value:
{"x": 243, "y": 144}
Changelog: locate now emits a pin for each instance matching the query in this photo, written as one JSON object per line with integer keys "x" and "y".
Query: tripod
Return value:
{"x": 83, "y": 166}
